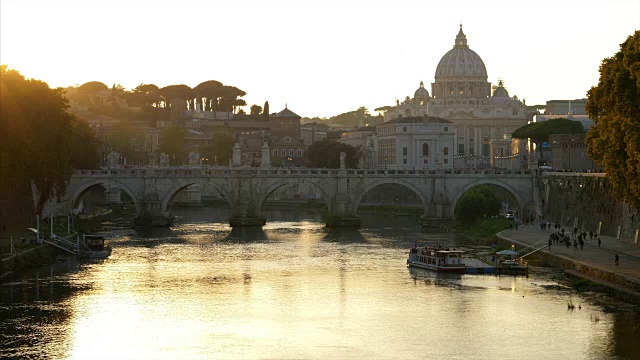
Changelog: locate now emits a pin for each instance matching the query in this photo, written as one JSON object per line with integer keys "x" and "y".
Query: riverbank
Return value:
{"x": 595, "y": 263}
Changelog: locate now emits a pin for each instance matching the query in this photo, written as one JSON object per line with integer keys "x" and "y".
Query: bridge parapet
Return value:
{"x": 289, "y": 172}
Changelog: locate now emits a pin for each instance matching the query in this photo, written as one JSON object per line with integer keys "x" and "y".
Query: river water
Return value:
{"x": 295, "y": 289}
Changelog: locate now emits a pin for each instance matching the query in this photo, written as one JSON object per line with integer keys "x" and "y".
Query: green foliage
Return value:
{"x": 351, "y": 117}
{"x": 613, "y": 142}
{"x": 477, "y": 202}
{"x": 484, "y": 228}
{"x": 41, "y": 141}
{"x": 326, "y": 154}
{"x": 172, "y": 143}
{"x": 255, "y": 110}
{"x": 539, "y": 132}
{"x": 265, "y": 113}
{"x": 220, "y": 150}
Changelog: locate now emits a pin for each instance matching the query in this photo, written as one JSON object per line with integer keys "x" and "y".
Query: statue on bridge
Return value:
{"x": 343, "y": 159}
{"x": 194, "y": 159}
{"x": 112, "y": 159}
{"x": 164, "y": 159}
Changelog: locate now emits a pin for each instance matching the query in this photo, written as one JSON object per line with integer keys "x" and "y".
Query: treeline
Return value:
{"x": 41, "y": 141}
{"x": 153, "y": 101}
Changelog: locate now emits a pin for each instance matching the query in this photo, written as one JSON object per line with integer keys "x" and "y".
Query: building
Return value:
{"x": 287, "y": 147}
{"x": 564, "y": 107}
{"x": 313, "y": 132}
{"x": 569, "y": 152}
{"x": 461, "y": 94}
{"x": 416, "y": 142}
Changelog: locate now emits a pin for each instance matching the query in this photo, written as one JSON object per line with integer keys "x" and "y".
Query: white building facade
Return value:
{"x": 416, "y": 142}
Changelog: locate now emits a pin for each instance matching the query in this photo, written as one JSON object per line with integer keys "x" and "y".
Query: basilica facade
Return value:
{"x": 483, "y": 116}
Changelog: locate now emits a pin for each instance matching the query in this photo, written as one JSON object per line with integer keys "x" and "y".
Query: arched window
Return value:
{"x": 283, "y": 152}
{"x": 290, "y": 152}
{"x": 299, "y": 153}
{"x": 275, "y": 152}
{"x": 425, "y": 149}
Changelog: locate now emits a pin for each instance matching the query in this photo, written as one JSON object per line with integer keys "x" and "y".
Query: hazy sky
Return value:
{"x": 323, "y": 58}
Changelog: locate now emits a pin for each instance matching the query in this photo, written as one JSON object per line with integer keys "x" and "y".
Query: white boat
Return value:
{"x": 437, "y": 259}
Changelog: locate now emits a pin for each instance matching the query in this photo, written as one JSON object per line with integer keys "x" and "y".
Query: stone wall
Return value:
{"x": 590, "y": 199}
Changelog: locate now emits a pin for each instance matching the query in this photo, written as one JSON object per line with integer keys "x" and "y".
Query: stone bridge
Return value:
{"x": 245, "y": 189}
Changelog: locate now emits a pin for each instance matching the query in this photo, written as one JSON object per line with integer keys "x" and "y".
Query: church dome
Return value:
{"x": 461, "y": 62}
{"x": 500, "y": 91}
{"x": 421, "y": 93}
{"x": 500, "y": 94}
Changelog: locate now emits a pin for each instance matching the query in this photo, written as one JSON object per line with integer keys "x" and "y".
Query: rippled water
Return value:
{"x": 298, "y": 290}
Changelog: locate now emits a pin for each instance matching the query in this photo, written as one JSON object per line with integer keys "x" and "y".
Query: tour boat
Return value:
{"x": 437, "y": 259}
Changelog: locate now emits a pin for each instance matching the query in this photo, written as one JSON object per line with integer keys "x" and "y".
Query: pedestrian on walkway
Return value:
{"x": 575, "y": 244}
{"x": 591, "y": 235}
{"x": 599, "y": 241}
{"x": 549, "y": 243}
{"x": 617, "y": 259}
{"x": 581, "y": 244}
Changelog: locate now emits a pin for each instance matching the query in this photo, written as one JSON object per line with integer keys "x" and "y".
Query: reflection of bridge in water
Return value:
{"x": 153, "y": 190}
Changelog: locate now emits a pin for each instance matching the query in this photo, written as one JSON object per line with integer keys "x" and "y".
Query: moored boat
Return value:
{"x": 440, "y": 259}
{"x": 95, "y": 247}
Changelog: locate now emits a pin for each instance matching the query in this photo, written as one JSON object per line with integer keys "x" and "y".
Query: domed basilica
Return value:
{"x": 462, "y": 95}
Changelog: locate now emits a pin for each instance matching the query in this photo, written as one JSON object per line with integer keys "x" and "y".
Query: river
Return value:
{"x": 295, "y": 289}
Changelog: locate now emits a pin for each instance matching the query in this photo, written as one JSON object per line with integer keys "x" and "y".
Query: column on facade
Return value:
{"x": 466, "y": 139}
{"x": 476, "y": 141}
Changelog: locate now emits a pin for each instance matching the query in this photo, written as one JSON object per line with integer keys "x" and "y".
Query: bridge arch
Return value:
{"x": 377, "y": 183}
{"x": 171, "y": 194}
{"x": 107, "y": 184}
{"x": 503, "y": 185}
{"x": 278, "y": 184}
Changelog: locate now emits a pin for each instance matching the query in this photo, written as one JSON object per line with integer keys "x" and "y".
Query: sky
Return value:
{"x": 319, "y": 58}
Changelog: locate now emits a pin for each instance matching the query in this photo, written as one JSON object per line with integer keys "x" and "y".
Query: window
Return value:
{"x": 404, "y": 151}
{"x": 460, "y": 149}
{"x": 446, "y": 129}
{"x": 404, "y": 161}
{"x": 515, "y": 111}
{"x": 290, "y": 152}
{"x": 425, "y": 161}
{"x": 425, "y": 149}
{"x": 275, "y": 152}
{"x": 299, "y": 153}
{"x": 446, "y": 150}
{"x": 404, "y": 129}
{"x": 283, "y": 152}
{"x": 446, "y": 161}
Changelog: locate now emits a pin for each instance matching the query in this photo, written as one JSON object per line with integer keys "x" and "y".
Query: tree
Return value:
{"x": 539, "y": 132}
{"x": 41, "y": 141}
{"x": 265, "y": 113}
{"x": 209, "y": 92}
{"x": 255, "y": 110}
{"x": 613, "y": 141}
{"x": 477, "y": 202}
{"x": 221, "y": 148}
{"x": 326, "y": 154}
{"x": 172, "y": 143}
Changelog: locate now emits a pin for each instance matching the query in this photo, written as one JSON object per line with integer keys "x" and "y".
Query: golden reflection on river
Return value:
{"x": 298, "y": 290}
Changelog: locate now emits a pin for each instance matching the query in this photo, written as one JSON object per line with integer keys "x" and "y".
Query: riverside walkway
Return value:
{"x": 593, "y": 262}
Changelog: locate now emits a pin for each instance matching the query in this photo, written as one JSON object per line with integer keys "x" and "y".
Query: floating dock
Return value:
{"x": 475, "y": 266}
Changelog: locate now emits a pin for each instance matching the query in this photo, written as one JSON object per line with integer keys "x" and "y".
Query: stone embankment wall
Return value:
{"x": 590, "y": 199}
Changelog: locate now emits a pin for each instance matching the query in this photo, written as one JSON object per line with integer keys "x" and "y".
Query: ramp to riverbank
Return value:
{"x": 594, "y": 262}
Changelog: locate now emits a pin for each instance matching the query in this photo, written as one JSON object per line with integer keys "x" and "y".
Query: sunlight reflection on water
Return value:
{"x": 293, "y": 289}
